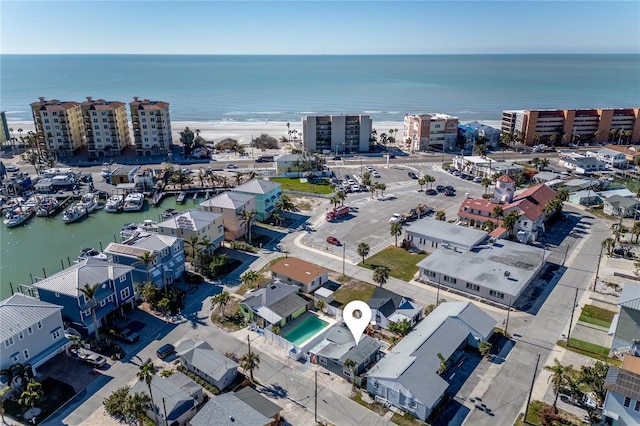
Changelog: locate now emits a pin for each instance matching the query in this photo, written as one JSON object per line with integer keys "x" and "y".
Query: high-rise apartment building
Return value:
{"x": 425, "y": 130}
{"x": 565, "y": 126}
{"x": 336, "y": 133}
{"x": 59, "y": 126}
{"x": 106, "y": 126}
{"x": 5, "y": 136}
{"x": 151, "y": 126}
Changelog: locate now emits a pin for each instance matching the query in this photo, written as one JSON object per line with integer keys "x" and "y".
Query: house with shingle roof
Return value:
{"x": 305, "y": 275}
{"x": 231, "y": 205}
{"x": 243, "y": 408}
{"x": 625, "y": 326}
{"x": 387, "y": 306}
{"x": 622, "y": 403}
{"x": 410, "y": 376}
{"x": 166, "y": 253}
{"x": 201, "y": 359}
{"x": 195, "y": 224}
{"x": 620, "y": 206}
{"x": 174, "y": 403}
{"x": 338, "y": 345}
{"x": 115, "y": 291}
{"x": 266, "y": 195}
{"x": 31, "y": 331}
{"x": 276, "y": 303}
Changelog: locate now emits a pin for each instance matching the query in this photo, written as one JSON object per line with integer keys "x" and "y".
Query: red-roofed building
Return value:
{"x": 151, "y": 126}
{"x": 529, "y": 204}
{"x": 106, "y": 125}
{"x": 59, "y": 126}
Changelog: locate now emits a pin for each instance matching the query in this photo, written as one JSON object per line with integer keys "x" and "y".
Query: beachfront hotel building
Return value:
{"x": 151, "y": 126}
{"x": 5, "y": 136}
{"x": 106, "y": 126}
{"x": 561, "y": 127}
{"x": 425, "y": 130}
{"x": 336, "y": 133}
{"x": 59, "y": 126}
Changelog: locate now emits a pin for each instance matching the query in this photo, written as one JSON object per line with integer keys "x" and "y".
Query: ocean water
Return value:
{"x": 283, "y": 88}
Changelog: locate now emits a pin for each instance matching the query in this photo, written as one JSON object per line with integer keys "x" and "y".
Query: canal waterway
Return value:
{"x": 44, "y": 246}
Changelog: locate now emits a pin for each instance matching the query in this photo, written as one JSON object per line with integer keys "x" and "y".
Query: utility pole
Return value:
{"x": 249, "y": 343}
{"x": 506, "y": 324}
{"x": 573, "y": 309}
{"x": 344, "y": 249}
{"x": 533, "y": 380}
{"x": 566, "y": 251}
{"x": 315, "y": 409}
{"x": 595, "y": 283}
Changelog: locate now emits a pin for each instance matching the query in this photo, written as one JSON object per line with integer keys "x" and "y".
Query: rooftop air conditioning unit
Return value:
{"x": 507, "y": 273}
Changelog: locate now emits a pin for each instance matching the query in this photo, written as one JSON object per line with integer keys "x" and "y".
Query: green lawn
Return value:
{"x": 401, "y": 262}
{"x": 405, "y": 420}
{"x": 597, "y": 316}
{"x": 589, "y": 349}
{"x": 353, "y": 290}
{"x": 534, "y": 419}
{"x": 293, "y": 184}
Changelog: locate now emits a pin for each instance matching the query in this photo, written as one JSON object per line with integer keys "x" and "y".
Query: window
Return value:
{"x": 450, "y": 279}
{"x": 123, "y": 278}
{"x": 55, "y": 334}
{"x": 39, "y": 325}
{"x": 15, "y": 357}
{"x": 637, "y": 406}
{"x": 30, "y": 330}
{"x": 376, "y": 384}
{"x": 496, "y": 294}
{"x": 627, "y": 401}
{"x": 102, "y": 303}
{"x": 87, "y": 313}
{"x": 21, "y": 335}
{"x": 110, "y": 298}
{"x": 8, "y": 342}
{"x": 124, "y": 293}
{"x": 323, "y": 361}
{"x": 473, "y": 287}
{"x": 346, "y": 371}
{"x": 26, "y": 354}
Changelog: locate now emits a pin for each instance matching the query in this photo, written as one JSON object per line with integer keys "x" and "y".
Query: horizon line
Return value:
{"x": 326, "y": 54}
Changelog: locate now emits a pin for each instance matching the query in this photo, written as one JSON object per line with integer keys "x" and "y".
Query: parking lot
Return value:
{"x": 369, "y": 219}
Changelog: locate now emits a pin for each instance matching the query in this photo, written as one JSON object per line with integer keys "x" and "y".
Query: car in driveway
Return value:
{"x": 127, "y": 335}
{"x": 333, "y": 240}
{"x": 337, "y": 158}
{"x": 395, "y": 218}
{"x": 165, "y": 350}
{"x": 431, "y": 191}
{"x": 91, "y": 358}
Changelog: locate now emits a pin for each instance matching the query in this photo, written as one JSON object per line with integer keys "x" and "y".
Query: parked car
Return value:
{"x": 375, "y": 174}
{"x": 165, "y": 350}
{"x": 449, "y": 187}
{"x": 93, "y": 359}
{"x": 440, "y": 188}
{"x": 127, "y": 335}
{"x": 232, "y": 166}
{"x": 477, "y": 179}
{"x": 463, "y": 175}
{"x": 12, "y": 168}
{"x": 395, "y": 218}
{"x": 337, "y": 158}
{"x": 333, "y": 240}
{"x": 449, "y": 193}
{"x": 431, "y": 191}
{"x": 412, "y": 175}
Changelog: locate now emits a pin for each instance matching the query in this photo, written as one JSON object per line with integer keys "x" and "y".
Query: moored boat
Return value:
{"x": 169, "y": 213}
{"x": 181, "y": 197}
{"x": 73, "y": 213}
{"x": 18, "y": 216}
{"x": 129, "y": 229}
{"x": 133, "y": 202}
{"x": 114, "y": 204}
{"x": 89, "y": 201}
{"x": 91, "y": 253}
{"x": 47, "y": 207}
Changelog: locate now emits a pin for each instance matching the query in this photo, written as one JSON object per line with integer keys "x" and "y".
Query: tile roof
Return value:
{"x": 505, "y": 178}
{"x": 527, "y": 208}
{"x": 89, "y": 271}
{"x": 257, "y": 186}
{"x": 193, "y": 220}
{"x": 202, "y": 356}
{"x": 298, "y": 269}
{"x": 20, "y": 311}
{"x": 540, "y": 194}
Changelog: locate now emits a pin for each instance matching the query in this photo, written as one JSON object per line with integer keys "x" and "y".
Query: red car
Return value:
{"x": 333, "y": 240}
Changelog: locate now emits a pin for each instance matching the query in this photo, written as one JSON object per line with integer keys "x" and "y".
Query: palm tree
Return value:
{"x": 320, "y": 305}
{"x": 284, "y": 204}
{"x": 363, "y": 250}
{"x": 137, "y": 405}
{"x": 249, "y": 362}
{"x": 509, "y": 221}
{"x": 381, "y": 274}
{"x": 247, "y": 217}
{"x": 335, "y": 200}
{"x": 422, "y": 182}
{"x": 277, "y": 219}
{"x": 221, "y": 300}
{"x": 429, "y": 179}
{"x": 89, "y": 291}
{"x": 341, "y": 196}
{"x": 146, "y": 259}
{"x": 635, "y": 230}
{"x": 396, "y": 231}
{"x": 32, "y": 394}
{"x": 194, "y": 244}
{"x": 382, "y": 187}
{"x": 145, "y": 374}
{"x": 250, "y": 277}
{"x": 238, "y": 178}
{"x": 497, "y": 212}
{"x": 558, "y": 378}
{"x": 441, "y": 215}
{"x": 351, "y": 365}
{"x": 486, "y": 182}
{"x": 608, "y": 244}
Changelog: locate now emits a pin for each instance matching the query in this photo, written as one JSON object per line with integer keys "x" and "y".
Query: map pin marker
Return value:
{"x": 357, "y": 315}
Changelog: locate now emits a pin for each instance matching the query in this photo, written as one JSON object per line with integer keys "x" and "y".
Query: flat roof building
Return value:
{"x": 424, "y": 130}
{"x": 336, "y": 133}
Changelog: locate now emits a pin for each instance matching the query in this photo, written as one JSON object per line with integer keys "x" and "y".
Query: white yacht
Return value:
{"x": 91, "y": 253}
{"x": 89, "y": 201}
{"x": 74, "y": 213}
{"x": 18, "y": 216}
{"x": 133, "y": 202}
{"x": 114, "y": 204}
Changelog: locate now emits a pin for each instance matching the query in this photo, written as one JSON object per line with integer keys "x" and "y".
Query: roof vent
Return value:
{"x": 231, "y": 419}
{"x": 507, "y": 273}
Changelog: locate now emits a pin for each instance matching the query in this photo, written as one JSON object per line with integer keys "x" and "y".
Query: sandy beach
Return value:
{"x": 243, "y": 131}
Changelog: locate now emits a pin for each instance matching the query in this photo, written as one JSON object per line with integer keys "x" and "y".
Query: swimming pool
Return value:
{"x": 305, "y": 329}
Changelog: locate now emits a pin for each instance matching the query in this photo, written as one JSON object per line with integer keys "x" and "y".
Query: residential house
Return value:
{"x": 610, "y": 157}
{"x": 307, "y": 276}
{"x": 32, "y": 331}
{"x": 411, "y": 376}
{"x": 474, "y": 130}
{"x": 623, "y": 192}
{"x": 242, "y": 408}
{"x": 630, "y": 153}
{"x": 266, "y": 194}
{"x": 201, "y": 359}
{"x": 276, "y": 303}
{"x": 585, "y": 197}
{"x": 499, "y": 271}
{"x": 626, "y": 323}
{"x": 166, "y": 257}
{"x": 338, "y": 345}
{"x": 172, "y": 405}
{"x": 387, "y": 307}
{"x": 579, "y": 163}
{"x": 620, "y": 206}
{"x": 231, "y": 205}
{"x": 144, "y": 179}
{"x": 622, "y": 403}
{"x": 428, "y": 234}
{"x": 477, "y": 165}
{"x": 195, "y": 224}
{"x": 114, "y": 293}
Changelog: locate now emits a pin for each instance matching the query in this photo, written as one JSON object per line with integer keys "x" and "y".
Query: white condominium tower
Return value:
{"x": 336, "y": 133}
{"x": 106, "y": 127}
{"x": 151, "y": 126}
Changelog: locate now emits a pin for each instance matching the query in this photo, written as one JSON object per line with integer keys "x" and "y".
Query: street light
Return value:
{"x": 315, "y": 409}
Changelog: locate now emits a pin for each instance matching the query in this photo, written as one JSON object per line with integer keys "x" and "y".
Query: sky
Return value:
{"x": 319, "y": 27}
